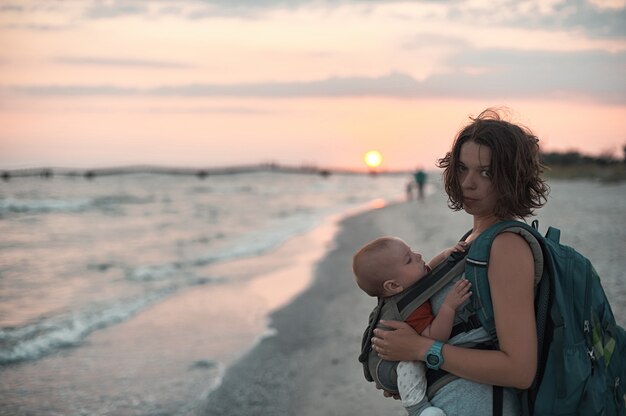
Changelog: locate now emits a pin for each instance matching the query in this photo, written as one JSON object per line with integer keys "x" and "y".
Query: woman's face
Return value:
{"x": 474, "y": 175}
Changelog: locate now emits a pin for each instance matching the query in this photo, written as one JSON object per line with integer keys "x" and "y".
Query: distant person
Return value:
{"x": 386, "y": 267}
{"x": 420, "y": 180}
{"x": 409, "y": 190}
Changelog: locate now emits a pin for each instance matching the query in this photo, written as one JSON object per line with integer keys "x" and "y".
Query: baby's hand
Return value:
{"x": 459, "y": 247}
{"x": 458, "y": 294}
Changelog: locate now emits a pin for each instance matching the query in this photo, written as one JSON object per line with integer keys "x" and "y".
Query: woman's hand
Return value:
{"x": 400, "y": 343}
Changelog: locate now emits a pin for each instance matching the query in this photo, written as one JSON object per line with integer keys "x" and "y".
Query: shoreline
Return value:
{"x": 166, "y": 358}
{"x": 309, "y": 365}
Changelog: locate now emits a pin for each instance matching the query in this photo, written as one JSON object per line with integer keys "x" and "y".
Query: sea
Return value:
{"x": 81, "y": 257}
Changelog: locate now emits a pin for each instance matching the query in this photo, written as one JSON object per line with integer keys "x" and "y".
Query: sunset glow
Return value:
{"x": 215, "y": 82}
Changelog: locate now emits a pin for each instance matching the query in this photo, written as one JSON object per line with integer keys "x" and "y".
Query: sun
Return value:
{"x": 373, "y": 159}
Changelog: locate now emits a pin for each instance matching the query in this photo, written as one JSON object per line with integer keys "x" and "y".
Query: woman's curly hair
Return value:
{"x": 515, "y": 166}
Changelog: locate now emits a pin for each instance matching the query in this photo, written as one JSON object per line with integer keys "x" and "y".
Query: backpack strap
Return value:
{"x": 480, "y": 249}
{"x": 543, "y": 301}
{"x": 477, "y": 263}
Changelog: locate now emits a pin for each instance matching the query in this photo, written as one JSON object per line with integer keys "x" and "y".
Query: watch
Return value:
{"x": 433, "y": 357}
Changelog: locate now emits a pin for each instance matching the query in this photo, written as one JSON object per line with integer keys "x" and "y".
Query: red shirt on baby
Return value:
{"x": 422, "y": 316}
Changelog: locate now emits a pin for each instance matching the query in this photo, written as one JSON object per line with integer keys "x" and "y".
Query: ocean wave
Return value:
{"x": 181, "y": 235}
{"x": 46, "y": 335}
{"x": 156, "y": 272}
{"x": 111, "y": 200}
{"x": 250, "y": 244}
{"x": 19, "y": 206}
{"x": 43, "y": 206}
{"x": 298, "y": 210}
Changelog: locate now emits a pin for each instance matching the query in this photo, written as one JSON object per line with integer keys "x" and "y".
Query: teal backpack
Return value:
{"x": 581, "y": 349}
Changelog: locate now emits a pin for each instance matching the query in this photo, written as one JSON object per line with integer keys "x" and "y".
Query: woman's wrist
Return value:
{"x": 434, "y": 356}
{"x": 423, "y": 348}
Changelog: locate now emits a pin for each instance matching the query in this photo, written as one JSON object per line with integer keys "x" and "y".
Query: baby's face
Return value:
{"x": 407, "y": 266}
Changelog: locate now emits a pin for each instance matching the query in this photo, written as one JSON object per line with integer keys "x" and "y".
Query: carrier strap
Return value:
{"x": 434, "y": 281}
{"x": 472, "y": 323}
{"x": 366, "y": 342}
{"x": 436, "y": 379}
{"x": 497, "y": 400}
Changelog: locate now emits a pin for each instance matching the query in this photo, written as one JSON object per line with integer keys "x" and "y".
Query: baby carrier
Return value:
{"x": 399, "y": 308}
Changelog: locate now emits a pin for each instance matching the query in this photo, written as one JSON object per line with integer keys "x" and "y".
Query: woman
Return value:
{"x": 493, "y": 174}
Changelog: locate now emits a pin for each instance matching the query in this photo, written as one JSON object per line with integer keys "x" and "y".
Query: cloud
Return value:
{"x": 233, "y": 110}
{"x": 100, "y": 10}
{"x": 395, "y": 84}
{"x": 603, "y": 23}
{"x": 435, "y": 40}
{"x": 595, "y": 74}
{"x": 72, "y": 90}
{"x": 200, "y": 9}
{"x": 120, "y": 62}
{"x": 584, "y": 15}
{"x": 598, "y": 22}
{"x": 11, "y": 8}
{"x": 493, "y": 73}
{"x": 36, "y": 27}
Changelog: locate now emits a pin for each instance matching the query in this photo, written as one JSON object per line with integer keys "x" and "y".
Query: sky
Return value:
{"x": 209, "y": 83}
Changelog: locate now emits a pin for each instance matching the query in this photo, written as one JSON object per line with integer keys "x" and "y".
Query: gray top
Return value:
{"x": 464, "y": 397}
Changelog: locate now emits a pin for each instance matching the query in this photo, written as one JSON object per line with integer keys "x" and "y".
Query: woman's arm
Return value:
{"x": 512, "y": 290}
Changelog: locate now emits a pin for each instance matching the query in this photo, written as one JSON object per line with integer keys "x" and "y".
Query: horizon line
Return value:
{"x": 201, "y": 172}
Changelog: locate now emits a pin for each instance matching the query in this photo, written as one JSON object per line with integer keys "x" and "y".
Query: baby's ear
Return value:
{"x": 392, "y": 287}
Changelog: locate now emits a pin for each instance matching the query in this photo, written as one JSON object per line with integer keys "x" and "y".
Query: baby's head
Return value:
{"x": 387, "y": 266}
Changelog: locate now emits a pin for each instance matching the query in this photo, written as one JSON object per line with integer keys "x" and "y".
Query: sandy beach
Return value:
{"x": 309, "y": 367}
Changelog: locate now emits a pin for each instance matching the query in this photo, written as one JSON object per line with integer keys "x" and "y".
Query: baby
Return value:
{"x": 387, "y": 266}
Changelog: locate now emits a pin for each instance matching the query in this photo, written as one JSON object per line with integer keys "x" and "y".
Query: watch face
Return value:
{"x": 432, "y": 359}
